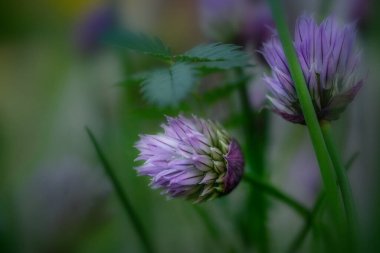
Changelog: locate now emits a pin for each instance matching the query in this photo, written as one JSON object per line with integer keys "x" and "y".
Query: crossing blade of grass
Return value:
{"x": 278, "y": 194}
{"x": 127, "y": 206}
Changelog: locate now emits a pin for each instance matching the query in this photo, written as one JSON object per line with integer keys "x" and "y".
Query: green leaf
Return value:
{"x": 215, "y": 56}
{"x": 139, "y": 42}
{"x": 213, "y": 52}
{"x": 167, "y": 87}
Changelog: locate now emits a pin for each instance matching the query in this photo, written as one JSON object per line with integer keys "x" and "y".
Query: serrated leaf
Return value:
{"x": 167, "y": 87}
{"x": 215, "y": 56}
{"x": 139, "y": 42}
{"x": 206, "y": 68}
{"x": 214, "y": 52}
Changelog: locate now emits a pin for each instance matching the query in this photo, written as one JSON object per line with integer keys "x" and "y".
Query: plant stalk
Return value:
{"x": 344, "y": 183}
{"x": 127, "y": 206}
{"x": 279, "y": 195}
{"x": 255, "y": 143}
{"x": 301, "y": 236}
{"x": 322, "y": 154}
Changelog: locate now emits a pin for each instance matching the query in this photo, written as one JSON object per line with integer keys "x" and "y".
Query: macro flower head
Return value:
{"x": 220, "y": 19}
{"x": 329, "y": 63}
{"x": 93, "y": 28}
{"x": 194, "y": 158}
{"x": 60, "y": 203}
{"x": 243, "y": 22}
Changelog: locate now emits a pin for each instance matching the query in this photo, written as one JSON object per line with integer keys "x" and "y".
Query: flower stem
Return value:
{"x": 211, "y": 226}
{"x": 129, "y": 211}
{"x": 322, "y": 154}
{"x": 255, "y": 135}
{"x": 344, "y": 183}
{"x": 278, "y": 194}
{"x": 301, "y": 236}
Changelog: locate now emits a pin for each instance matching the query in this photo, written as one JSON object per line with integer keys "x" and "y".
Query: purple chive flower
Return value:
{"x": 59, "y": 204}
{"x": 360, "y": 11}
{"x": 194, "y": 158}
{"x": 93, "y": 27}
{"x": 258, "y": 25}
{"x": 329, "y": 63}
{"x": 220, "y": 19}
{"x": 242, "y": 22}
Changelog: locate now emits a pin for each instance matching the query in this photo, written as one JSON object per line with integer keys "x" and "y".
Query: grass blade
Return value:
{"x": 127, "y": 206}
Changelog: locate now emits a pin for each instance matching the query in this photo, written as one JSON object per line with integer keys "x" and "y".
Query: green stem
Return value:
{"x": 255, "y": 144}
{"x": 278, "y": 194}
{"x": 214, "y": 230}
{"x": 301, "y": 236}
{"x": 322, "y": 154}
{"x": 248, "y": 127}
{"x": 344, "y": 183}
{"x": 129, "y": 211}
{"x": 211, "y": 226}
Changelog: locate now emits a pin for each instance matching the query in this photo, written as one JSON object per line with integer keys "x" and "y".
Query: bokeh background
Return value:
{"x": 56, "y": 77}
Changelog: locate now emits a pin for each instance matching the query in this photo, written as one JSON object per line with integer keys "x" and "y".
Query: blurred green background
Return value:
{"x": 56, "y": 77}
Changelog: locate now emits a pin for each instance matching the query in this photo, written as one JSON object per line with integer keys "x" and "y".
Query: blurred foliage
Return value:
{"x": 168, "y": 87}
{"x": 49, "y": 90}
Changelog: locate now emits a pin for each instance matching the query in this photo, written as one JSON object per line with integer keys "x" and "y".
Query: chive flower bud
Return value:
{"x": 243, "y": 22}
{"x": 329, "y": 64}
{"x": 194, "y": 158}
